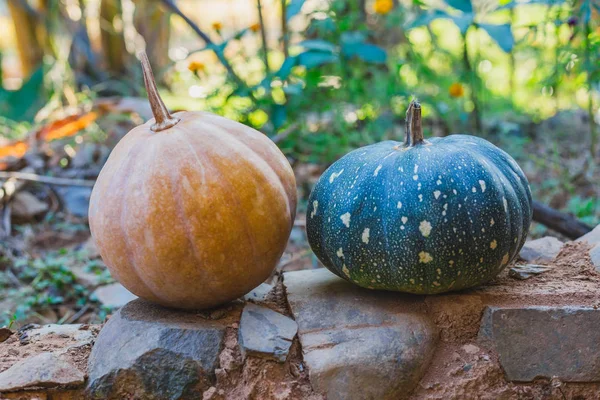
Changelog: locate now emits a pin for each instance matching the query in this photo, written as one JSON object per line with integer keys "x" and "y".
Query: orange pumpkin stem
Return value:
{"x": 414, "y": 129}
{"x": 163, "y": 120}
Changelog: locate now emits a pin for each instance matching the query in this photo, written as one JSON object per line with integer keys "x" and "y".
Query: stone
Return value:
{"x": 72, "y": 333}
{"x": 545, "y": 342}
{"x": 259, "y": 293}
{"x": 595, "y": 256}
{"x": 526, "y": 271}
{"x": 42, "y": 370}
{"x": 147, "y": 351}
{"x": 5, "y": 333}
{"x": 359, "y": 343}
{"x": 541, "y": 250}
{"x": 26, "y": 206}
{"x": 470, "y": 349}
{"x": 76, "y": 199}
{"x": 265, "y": 333}
{"x": 592, "y": 237}
{"x": 114, "y": 295}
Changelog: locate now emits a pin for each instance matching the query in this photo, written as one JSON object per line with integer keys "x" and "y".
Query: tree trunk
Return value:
{"x": 152, "y": 22}
{"x": 111, "y": 33}
{"x": 28, "y": 46}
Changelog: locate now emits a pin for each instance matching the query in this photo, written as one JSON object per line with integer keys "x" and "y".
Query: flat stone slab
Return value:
{"x": 266, "y": 333}
{"x": 537, "y": 341}
{"x": 358, "y": 343}
{"x": 259, "y": 293}
{"x": 595, "y": 256}
{"x": 541, "y": 250}
{"x": 527, "y": 271}
{"x": 41, "y": 370}
{"x": 153, "y": 352}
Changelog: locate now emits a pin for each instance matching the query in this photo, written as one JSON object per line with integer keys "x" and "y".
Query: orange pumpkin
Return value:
{"x": 192, "y": 210}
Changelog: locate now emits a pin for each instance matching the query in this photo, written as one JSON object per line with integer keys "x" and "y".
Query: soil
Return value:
{"x": 462, "y": 367}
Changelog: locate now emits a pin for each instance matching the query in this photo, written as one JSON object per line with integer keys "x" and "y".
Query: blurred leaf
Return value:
{"x": 279, "y": 115}
{"x": 318, "y": 44}
{"x": 311, "y": 58}
{"x": 66, "y": 127}
{"x": 514, "y": 4}
{"x": 427, "y": 18}
{"x": 293, "y": 89}
{"x": 294, "y": 8}
{"x": 24, "y": 103}
{"x": 462, "y": 5}
{"x": 463, "y": 22}
{"x": 501, "y": 34}
{"x": 286, "y": 67}
{"x": 365, "y": 51}
{"x": 353, "y": 37}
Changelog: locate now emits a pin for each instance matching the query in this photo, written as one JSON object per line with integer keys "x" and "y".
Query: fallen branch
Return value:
{"x": 50, "y": 180}
{"x": 562, "y": 223}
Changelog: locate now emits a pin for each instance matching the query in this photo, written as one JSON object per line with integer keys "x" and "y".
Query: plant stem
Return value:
{"x": 414, "y": 129}
{"x": 284, "y": 29}
{"x": 263, "y": 36}
{"x": 163, "y": 120}
{"x": 472, "y": 77}
{"x": 173, "y": 7}
{"x": 588, "y": 66}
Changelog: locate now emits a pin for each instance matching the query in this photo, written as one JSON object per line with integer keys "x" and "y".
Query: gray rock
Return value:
{"x": 76, "y": 200}
{"x": 548, "y": 342}
{"x": 358, "y": 343}
{"x": 526, "y": 271}
{"x": 540, "y": 250}
{"x": 42, "y": 370}
{"x": 266, "y": 333}
{"x": 155, "y": 353}
{"x": 595, "y": 256}
{"x": 72, "y": 333}
{"x": 114, "y": 295}
{"x": 25, "y": 206}
{"x": 260, "y": 293}
{"x": 593, "y": 237}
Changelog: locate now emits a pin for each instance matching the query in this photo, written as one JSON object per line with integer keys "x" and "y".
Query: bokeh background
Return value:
{"x": 319, "y": 77}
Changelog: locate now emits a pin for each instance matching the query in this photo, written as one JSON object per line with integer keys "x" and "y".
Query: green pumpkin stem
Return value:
{"x": 414, "y": 129}
{"x": 163, "y": 120}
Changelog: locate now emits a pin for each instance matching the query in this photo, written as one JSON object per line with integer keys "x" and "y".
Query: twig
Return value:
{"x": 263, "y": 36}
{"x": 285, "y": 133}
{"x": 78, "y": 314}
{"x": 173, "y": 7}
{"x": 284, "y": 29}
{"x": 560, "y": 222}
{"x": 50, "y": 180}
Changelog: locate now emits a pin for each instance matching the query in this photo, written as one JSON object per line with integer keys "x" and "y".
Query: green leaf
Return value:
{"x": 311, "y": 58}
{"x": 319, "y": 45}
{"x": 279, "y": 115}
{"x": 293, "y": 8}
{"x": 463, "y": 22}
{"x": 501, "y": 34}
{"x": 353, "y": 37}
{"x": 427, "y": 18}
{"x": 286, "y": 67}
{"x": 24, "y": 103}
{"x": 462, "y": 5}
{"x": 365, "y": 51}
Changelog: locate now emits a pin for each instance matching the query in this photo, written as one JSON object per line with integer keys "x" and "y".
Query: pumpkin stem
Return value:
{"x": 163, "y": 120}
{"x": 414, "y": 129}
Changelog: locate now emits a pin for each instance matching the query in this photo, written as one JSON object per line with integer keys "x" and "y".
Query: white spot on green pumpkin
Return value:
{"x": 436, "y": 283}
{"x": 399, "y": 206}
{"x": 505, "y": 204}
{"x": 340, "y": 253}
{"x": 454, "y": 191}
{"x": 346, "y": 219}
{"x": 416, "y": 168}
{"x": 425, "y": 228}
{"x": 439, "y": 182}
{"x": 415, "y": 177}
{"x": 412, "y": 281}
{"x": 437, "y": 194}
{"x": 402, "y": 227}
{"x": 482, "y": 184}
{"x": 365, "y": 235}
{"x": 473, "y": 189}
{"x": 334, "y": 175}
{"x": 404, "y": 219}
{"x": 377, "y": 170}
{"x": 315, "y": 207}
{"x": 346, "y": 271}
{"x": 451, "y": 262}
{"x": 420, "y": 197}
{"x": 492, "y": 222}
{"x": 493, "y": 244}
{"x": 425, "y": 257}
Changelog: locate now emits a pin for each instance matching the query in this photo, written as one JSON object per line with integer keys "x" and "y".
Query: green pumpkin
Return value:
{"x": 424, "y": 216}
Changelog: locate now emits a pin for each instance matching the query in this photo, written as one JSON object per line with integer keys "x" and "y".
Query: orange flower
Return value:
{"x": 456, "y": 90}
{"x": 255, "y": 27}
{"x": 196, "y": 66}
{"x": 217, "y": 26}
{"x": 383, "y": 6}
